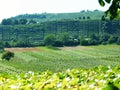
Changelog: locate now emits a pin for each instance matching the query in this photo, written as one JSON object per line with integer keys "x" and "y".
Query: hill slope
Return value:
{"x": 59, "y": 16}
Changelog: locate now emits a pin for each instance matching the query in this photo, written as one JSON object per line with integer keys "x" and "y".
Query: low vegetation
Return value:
{"x": 7, "y": 55}
{"x": 67, "y": 40}
{"x": 59, "y": 59}
{"x": 98, "y": 78}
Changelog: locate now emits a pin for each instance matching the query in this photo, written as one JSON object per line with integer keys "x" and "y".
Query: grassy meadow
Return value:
{"x": 43, "y": 58}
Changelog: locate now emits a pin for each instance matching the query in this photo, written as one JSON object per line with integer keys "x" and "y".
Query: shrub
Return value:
{"x": 1, "y": 47}
{"x": 104, "y": 38}
{"x": 50, "y": 40}
{"x": 65, "y": 38}
{"x": 58, "y": 43}
{"x": 84, "y": 42}
{"x": 71, "y": 43}
{"x": 94, "y": 37}
{"x": 111, "y": 40}
{"x": 93, "y": 42}
{"x": 7, "y": 55}
{"x": 118, "y": 41}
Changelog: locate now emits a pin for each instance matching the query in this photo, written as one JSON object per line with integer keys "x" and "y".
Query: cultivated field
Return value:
{"x": 42, "y": 58}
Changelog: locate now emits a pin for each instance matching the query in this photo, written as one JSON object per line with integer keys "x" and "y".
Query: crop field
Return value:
{"x": 41, "y": 59}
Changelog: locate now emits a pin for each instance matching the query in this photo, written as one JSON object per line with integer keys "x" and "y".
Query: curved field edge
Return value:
{"x": 42, "y": 58}
{"x": 98, "y": 78}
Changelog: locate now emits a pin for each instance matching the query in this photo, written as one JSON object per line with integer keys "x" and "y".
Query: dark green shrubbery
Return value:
{"x": 112, "y": 40}
{"x": 118, "y": 41}
{"x": 49, "y": 40}
{"x": 84, "y": 41}
{"x": 58, "y": 43}
{"x": 1, "y": 47}
{"x": 7, "y": 55}
{"x": 66, "y": 40}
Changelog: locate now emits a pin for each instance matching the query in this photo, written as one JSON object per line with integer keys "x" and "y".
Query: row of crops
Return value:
{"x": 44, "y": 58}
{"x": 98, "y": 78}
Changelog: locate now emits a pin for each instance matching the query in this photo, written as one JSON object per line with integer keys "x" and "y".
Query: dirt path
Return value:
{"x": 22, "y": 49}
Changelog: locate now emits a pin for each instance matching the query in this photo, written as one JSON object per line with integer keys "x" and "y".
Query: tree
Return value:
{"x": 50, "y": 40}
{"x": 1, "y": 47}
{"x": 7, "y": 55}
{"x": 118, "y": 41}
{"x": 83, "y": 17}
{"x": 113, "y": 10}
{"x": 79, "y": 17}
{"x": 65, "y": 38}
{"x": 6, "y": 22}
{"x": 32, "y": 22}
{"x": 23, "y": 21}
{"x": 15, "y": 22}
{"x": 88, "y": 17}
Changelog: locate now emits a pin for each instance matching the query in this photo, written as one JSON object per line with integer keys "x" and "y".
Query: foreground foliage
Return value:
{"x": 105, "y": 78}
{"x": 114, "y": 8}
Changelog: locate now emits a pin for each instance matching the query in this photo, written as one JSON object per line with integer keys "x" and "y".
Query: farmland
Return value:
{"x": 40, "y": 59}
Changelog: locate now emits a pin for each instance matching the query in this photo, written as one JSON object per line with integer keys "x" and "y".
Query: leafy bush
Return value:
{"x": 111, "y": 40}
{"x": 84, "y": 41}
{"x": 65, "y": 38}
{"x": 58, "y": 43}
{"x": 1, "y": 47}
{"x": 71, "y": 43}
{"x": 94, "y": 37}
{"x": 7, "y": 55}
{"x": 104, "y": 38}
{"x": 118, "y": 41}
{"x": 50, "y": 39}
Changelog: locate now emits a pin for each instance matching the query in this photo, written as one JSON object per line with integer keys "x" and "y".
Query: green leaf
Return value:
{"x": 108, "y": 1}
{"x": 101, "y": 2}
{"x": 110, "y": 86}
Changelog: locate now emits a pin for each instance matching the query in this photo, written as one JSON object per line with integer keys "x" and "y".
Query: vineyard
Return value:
{"x": 60, "y": 59}
{"x": 65, "y": 68}
{"x": 35, "y": 33}
{"x": 60, "y": 51}
{"x": 98, "y": 78}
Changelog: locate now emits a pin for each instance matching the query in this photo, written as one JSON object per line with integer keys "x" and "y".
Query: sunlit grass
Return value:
{"x": 59, "y": 60}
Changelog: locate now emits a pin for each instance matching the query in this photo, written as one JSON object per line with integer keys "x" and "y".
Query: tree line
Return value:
{"x": 25, "y": 35}
{"x": 17, "y": 21}
{"x": 66, "y": 40}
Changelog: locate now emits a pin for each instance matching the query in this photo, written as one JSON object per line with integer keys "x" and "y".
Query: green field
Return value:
{"x": 43, "y": 58}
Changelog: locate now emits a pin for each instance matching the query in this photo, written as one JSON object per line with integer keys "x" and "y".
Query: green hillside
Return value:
{"x": 31, "y": 29}
{"x": 58, "y": 16}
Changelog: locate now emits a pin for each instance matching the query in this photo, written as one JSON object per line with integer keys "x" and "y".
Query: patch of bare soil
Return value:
{"x": 75, "y": 48}
{"x": 22, "y": 49}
